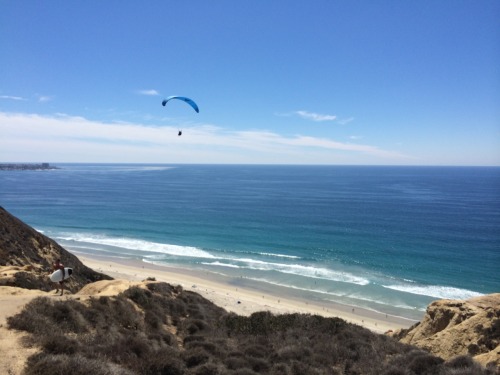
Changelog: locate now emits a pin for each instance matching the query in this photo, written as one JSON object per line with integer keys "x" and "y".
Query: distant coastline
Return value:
{"x": 25, "y": 166}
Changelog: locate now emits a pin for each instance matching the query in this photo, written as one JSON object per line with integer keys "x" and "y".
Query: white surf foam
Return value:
{"x": 443, "y": 292}
{"x": 140, "y": 245}
{"x": 280, "y": 255}
{"x": 301, "y": 270}
{"x": 220, "y": 264}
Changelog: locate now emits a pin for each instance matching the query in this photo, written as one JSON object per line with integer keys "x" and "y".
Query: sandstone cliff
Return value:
{"x": 26, "y": 257}
{"x": 452, "y": 328}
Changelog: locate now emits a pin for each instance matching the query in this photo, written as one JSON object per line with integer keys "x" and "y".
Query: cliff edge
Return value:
{"x": 458, "y": 327}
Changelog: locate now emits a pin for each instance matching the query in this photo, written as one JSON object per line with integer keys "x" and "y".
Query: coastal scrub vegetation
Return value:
{"x": 162, "y": 329}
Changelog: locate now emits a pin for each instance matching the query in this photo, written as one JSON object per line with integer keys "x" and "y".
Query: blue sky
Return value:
{"x": 293, "y": 82}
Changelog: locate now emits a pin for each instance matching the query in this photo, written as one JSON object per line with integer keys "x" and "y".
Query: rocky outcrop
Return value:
{"x": 452, "y": 328}
{"x": 27, "y": 255}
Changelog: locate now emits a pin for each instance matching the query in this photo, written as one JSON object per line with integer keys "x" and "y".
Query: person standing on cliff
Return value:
{"x": 59, "y": 266}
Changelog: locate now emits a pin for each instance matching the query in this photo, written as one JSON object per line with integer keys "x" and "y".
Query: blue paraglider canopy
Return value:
{"x": 187, "y": 100}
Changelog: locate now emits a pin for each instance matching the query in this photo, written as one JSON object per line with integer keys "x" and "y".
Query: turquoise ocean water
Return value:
{"x": 390, "y": 239}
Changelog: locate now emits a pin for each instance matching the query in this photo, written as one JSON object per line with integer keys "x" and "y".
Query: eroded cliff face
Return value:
{"x": 452, "y": 328}
{"x": 26, "y": 258}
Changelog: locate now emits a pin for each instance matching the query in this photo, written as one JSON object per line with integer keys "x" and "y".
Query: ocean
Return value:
{"x": 389, "y": 239}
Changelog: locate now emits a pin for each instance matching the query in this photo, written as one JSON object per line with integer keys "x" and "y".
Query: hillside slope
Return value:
{"x": 27, "y": 255}
{"x": 156, "y": 328}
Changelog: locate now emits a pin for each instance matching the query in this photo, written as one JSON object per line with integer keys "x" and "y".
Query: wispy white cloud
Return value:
{"x": 355, "y": 137}
{"x": 308, "y": 115}
{"x": 148, "y": 92}
{"x": 345, "y": 121}
{"x": 45, "y": 98}
{"x": 315, "y": 116}
{"x": 10, "y": 97}
{"x": 334, "y": 145}
{"x": 70, "y": 138}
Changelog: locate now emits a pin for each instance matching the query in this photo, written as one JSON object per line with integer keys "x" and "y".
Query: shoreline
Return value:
{"x": 240, "y": 295}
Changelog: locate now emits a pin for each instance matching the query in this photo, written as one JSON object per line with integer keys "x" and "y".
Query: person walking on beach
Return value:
{"x": 59, "y": 266}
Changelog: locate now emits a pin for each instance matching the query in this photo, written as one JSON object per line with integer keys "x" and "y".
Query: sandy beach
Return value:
{"x": 241, "y": 296}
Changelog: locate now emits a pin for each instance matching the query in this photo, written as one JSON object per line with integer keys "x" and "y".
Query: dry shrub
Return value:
{"x": 207, "y": 346}
{"x": 77, "y": 364}
{"x": 194, "y": 338}
{"x": 195, "y": 357}
{"x": 60, "y": 344}
{"x": 110, "y": 335}
{"x": 280, "y": 369}
{"x": 244, "y": 371}
{"x": 395, "y": 371}
{"x": 207, "y": 369}
{"x": 260, "y": 365}
{"x": 425, "y": 364}
{"x": 31, "y": 319}
{"x": 234, "y": 363}
{"x": 257, "y": 351}
{"x": 160, "y": 366}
